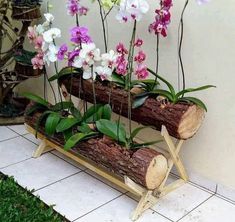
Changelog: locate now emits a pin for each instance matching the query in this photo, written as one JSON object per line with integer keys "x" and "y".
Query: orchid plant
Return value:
{"x": 124, "y": 66}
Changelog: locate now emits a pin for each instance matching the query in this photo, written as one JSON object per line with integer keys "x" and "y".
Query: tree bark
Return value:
{"x": 145, "y": 166}
{"x": 182, "y": 120}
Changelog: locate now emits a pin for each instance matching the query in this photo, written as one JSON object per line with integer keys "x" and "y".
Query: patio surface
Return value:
{"x": 82, "y": 196}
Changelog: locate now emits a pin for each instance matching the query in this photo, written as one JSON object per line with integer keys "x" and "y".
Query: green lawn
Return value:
{"x": 19, "y": 205}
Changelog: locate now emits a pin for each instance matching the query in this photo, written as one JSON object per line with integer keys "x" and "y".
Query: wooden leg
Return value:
{"x": 141, "y": 207}
{"x": 174, "y": 153}
{"x": 42, "y": 148}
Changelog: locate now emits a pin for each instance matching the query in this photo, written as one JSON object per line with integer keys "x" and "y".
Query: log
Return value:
{"x": 145, "y": 166}
{"x": 182, "y": 120}
{"x": 27, "y": 71}
{"x": 26, "y": 13}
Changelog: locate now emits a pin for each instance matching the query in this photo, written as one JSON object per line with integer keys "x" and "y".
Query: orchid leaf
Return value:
{"x": 136, "y": 131}
{"x": 118, "y": 79}
{"x": 111, "y": 129}
{"x": 35, "y": 98}
{"x": 76, "y": 113}
{"x": 67, "y": 134}
{"x": 170, "y": 87}
{"x": 66, "y": 124}
{"x": 39, "y": 121}
{"x": 91, "y": 114}
{"x": 195, "y": 101}
{"x": 64, "y": 72}
{"x": 193, "y": 90}
{"x": 164, "y": 93}
{"x": 107, "y": 112}
{"x": 141, "y": 145}
{"x": 51, "y": 123}
{"x": 62, "y": 105}
{"x": 139, "y": 101}
{"x": 76, "y": 138}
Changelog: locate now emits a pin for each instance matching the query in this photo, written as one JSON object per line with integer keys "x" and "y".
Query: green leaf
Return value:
{"x": 73, "y": 140}
{"x": 195, "y": 101}
{"x": 164, "y": 93}
{"x": 118, "y": 79}
{"x": 40, "y": 119}
{"x": 139, "y": 101}
{"x": 66, "y": 71}
{"x": 170, "y": 87}
{"x": 35, "y": 98}
{"x": 193, "y": 90}
{"x": 67, "y": 134}
{"x": 76, "y": 113}
{"x": 111, "y": 129}
{"x": 62, "y": 105}
{"x": 140, "y": 145}
{"x": 66, "y": 124}
{"x": 84, "y": 128}
{"x": 107, "y": 112}
{"x": 51, "y": 123}
{"x": 34, "y": 108}
{"x": 136, "y": 131}
{"x": 91, "y": 113}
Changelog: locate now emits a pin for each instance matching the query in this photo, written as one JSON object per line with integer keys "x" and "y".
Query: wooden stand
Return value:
{"x": 148, "y": 198}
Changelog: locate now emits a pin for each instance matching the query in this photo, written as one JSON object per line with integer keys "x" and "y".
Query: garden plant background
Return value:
{"x": 208, "y": 56}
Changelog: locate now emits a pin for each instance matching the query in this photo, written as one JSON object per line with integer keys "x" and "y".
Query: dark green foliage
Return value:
{"x": 19, "y": 205}
{"x": 24, "y": 57}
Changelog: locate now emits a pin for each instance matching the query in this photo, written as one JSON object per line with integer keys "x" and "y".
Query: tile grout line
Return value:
{"x": 195, "y": 184}
{"x": 122, "y": 194}
{"x": 225, "y": 198}
{"x": 15, "y": 163}
{"x": 196, "y": 207}
{"x": 56, "y": 181}
{"x": 15, "y": 131}
{"x": 10, "y": 138}
{"x": 150, "y": 208}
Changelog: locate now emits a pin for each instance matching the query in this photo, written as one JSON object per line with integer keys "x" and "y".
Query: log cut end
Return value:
{"x": 191, "y": 122}
{"x": 153, "y": 167}
{"x": 156, "y": 172}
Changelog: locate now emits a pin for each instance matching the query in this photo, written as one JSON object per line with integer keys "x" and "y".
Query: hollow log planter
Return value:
{"x": 98, "y": 150}
{"x": 26, "y": 13}
{"x": 25, "y": 70}
{"x": 144, "y": 166}
{"x": 182, "y": 120}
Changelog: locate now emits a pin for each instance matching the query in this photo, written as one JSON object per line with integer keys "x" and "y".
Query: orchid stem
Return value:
{"x": 130, "y": 71}
{"x": 157, "y": 62}
{"x": 181, "y": 35}
{"x": 103, "y": 26}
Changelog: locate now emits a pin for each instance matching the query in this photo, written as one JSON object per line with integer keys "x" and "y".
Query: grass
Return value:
{"x": 19, "y": 205}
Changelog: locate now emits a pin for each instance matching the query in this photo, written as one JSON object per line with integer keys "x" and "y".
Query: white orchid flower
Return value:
{"x": 51, "y": 55}
{"x": 49, "y": 17}
{"x": 40, "y": 29}
{"x": 104, "y": 72}
{"x": 132, "y": 9}
{"x": 51, "y": 34}
{"x": 90, "y": 53}
{"x": 108, "y": 59}
{"x": 88, "y": 74}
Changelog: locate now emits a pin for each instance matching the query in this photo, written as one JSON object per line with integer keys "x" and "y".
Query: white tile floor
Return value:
{"x": 82, "y": 196}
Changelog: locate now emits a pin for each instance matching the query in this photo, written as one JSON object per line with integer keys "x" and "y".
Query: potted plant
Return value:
{"x": 12, "y": 106}
{"x": 24, "y": 67}
{"x": 26, "y": 10}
